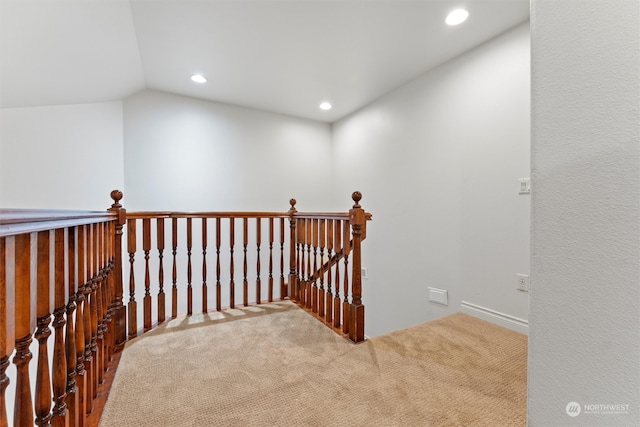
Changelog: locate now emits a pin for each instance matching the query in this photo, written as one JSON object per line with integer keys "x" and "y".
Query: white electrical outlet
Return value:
{"x": 364, "y": 273}
{"x": 525, "y": 186}
{"x": 523, "y": 282}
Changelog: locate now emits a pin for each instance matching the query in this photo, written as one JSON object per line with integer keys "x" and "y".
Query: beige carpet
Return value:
{"x": 277, "y": 366}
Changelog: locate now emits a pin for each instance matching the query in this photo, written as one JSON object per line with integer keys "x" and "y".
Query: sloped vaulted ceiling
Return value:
{"x": 284, "y": 56}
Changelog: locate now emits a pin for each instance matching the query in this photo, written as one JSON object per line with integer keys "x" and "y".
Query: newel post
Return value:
{"x": 119, "y": 312}
{"x": 293, "y": 275}
{"x": 357, "y": 220}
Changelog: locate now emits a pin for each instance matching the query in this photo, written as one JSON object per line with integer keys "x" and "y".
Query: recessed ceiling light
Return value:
{"x": 198, "y": 78}
{"x": 456, "y": 17}
{"x": 325, "y": 106}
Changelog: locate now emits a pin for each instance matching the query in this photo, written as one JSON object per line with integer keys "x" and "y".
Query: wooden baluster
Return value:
{"x": 81, "y": 373}
{"x": 356, "y": 311}
{"x": 320, "y": 271}
{"x": 189, "y": 246}
{"x": 232, "y": 285}
{"x": 43, "y": 378}
{"x": 95, "y": 285}
{"x": 218, "y": 287}
{"x": 336, "y": 298}
{"x": 314, "y": 295}
{"x": 258, "y": 241}
{"x": 110, "y": 292}
{"x": 301, "y": 290}
{"x": 119, "y": 310}
{"x": 245, "y": 284}
{"x": 98, "y": 321}
{"x": 205, "y": 307}
{"x": 160, "y": 244}
{"x": 346, "y": 245}
{"x": 146, "y": 248}
{"x": 174, "y": 273}
{"x": 7, "y": 324}
{"x": 59, "y": 415}
{"x": 72, "y": 399}
{"x": 283, "y": 290}
{"x": 23, "y": 405}
{"x": 89, "y": 362}
{"x": 132, "y": 306}
{"x": 270, "y": 299}
{"x": 308, "y": 298}
{"x": 292, "y": 249}
{"x": 329, "y": 298}
{"x": 302, "y": 266}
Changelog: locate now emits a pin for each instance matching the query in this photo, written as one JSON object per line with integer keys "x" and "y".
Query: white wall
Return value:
{"x": 68, "y": 156}
{"x": 185, "y": 154}
{"x": 438, "y": 162}
{"x": 584, "y": 336}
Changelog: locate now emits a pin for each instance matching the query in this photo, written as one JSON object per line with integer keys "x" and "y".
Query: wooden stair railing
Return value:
{"x": 61, "y": 270}
{"x": 314, "y": 286}
{"x": 61, "y": 283}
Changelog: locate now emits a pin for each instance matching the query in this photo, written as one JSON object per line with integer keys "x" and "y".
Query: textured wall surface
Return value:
{"x": 584, "y": 335}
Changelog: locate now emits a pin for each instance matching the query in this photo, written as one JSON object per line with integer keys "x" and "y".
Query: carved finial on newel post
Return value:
{"x": 293, "y": 274}
{"x": 116, "y": 195}
{"x": 357, "y": 220}
{"x": 356, "y": 197}
{"x": 118, "y": 312}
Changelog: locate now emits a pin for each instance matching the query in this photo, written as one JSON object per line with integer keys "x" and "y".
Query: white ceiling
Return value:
{"x": 284, "y": 56}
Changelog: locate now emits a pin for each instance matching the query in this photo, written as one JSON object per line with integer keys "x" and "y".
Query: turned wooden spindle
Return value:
{"x": 59, "y": 380}
{"x": 245, "y": 241}
{"x": 308, "y": 284}
{"x": 189, "y": 271}
{"x": 292, "y": 242}
{"x": 160, "y": 245}
{"x": 218, "y": 285}
{"x": 315, "y": 290}
{"x": 346, "y": 245}
{"x": 232, "y": 285}
{"x": 329, "y": 297}
{"x": 338, "y": 250}
{"x": 205, "y": 305}
{"x": 299, "y": 293}
{"x": 89, "y": 362}
{"x": 97, "y": 346}
{"x": 174, "y": 269}
{"x": 322, "y": 242}
{"x": 81, "y": 373}
{"x": 132, "y": 306}
{"x": 146, "y": 248}
{"x": 72, "y": 398}
{"x": 43, "y": 396}
{"x": 23, "y": 404}
{"x": 270, "y": 278}
{"x": 258, "y": 241}
{"x": 283, "y": 290}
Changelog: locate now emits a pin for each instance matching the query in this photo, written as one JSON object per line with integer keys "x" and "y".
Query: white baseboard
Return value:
{"x": 502, "y": 319}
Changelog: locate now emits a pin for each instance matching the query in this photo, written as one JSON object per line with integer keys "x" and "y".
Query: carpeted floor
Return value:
{"x": 277, "y": 366}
